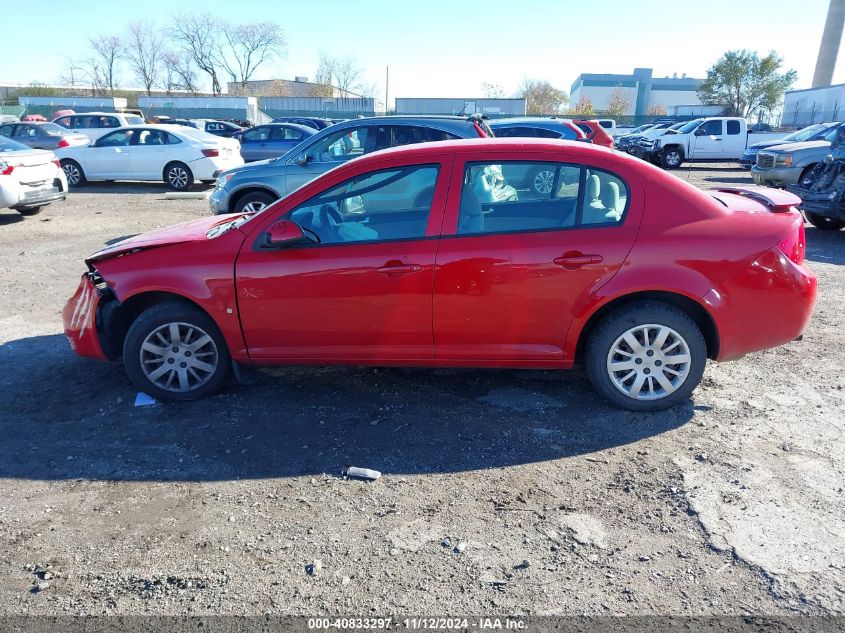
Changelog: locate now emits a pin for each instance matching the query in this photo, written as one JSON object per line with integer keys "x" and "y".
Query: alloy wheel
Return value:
{"x": 179, "y": 357}
{"x": 543, "y": 181}
{"x": 254, "y": 207}
{"x": 72, "y": 174}
{"x": 673, "y": 158}
{"x": 649, "y": 362}
{"x": 177, "y": 177}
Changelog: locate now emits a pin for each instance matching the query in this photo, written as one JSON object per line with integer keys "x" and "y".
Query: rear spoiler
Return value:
{"x": 777, "y": 200}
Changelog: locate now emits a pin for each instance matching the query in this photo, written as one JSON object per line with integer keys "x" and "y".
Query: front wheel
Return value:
{"x": 30, "y": 211}
{"x": 178, "y": 176}
{"x": 175, "y": 351}
{"x": 254, "y": 202}
{"x": 671, "y": 158}
{"x": 824, "y": 222}
{"x": 646, "y": 357}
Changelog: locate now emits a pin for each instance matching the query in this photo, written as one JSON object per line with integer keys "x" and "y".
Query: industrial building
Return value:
{"x": 438, "y": 105}
{"x": 814, "y": 105}
{"x": 298, "y": 87}
{"x": 640, "y": 89}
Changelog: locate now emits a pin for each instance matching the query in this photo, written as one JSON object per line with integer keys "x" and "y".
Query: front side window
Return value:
{"x": 712, "y": 128}
{"x": 65, "y": 122}
{"x": 83, "y": 122}
{"x": 121, "y": 138}
{"x": 340, "y": 145}
{"x": 6, "y": 130}
{"x": 256, "y": 135}
{"x": 523, "y": 196}
{"x": 110, "y": 121}
{"x": 393, "y": 204}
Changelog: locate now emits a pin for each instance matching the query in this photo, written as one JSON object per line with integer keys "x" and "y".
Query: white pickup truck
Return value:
{"x": 711, "y": 139}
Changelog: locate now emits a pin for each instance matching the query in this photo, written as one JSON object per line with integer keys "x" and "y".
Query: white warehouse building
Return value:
{"x": 641, "y": 90}
{"x": 814, "y": 105}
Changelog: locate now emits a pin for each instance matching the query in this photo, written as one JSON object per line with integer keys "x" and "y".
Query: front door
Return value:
{"x": 359, "y": 289}
{"x": 514, "y": 264}
{"x": 148, "y": 154}
{"x": 709, "y": 139}
{"x": 108, "y": 157}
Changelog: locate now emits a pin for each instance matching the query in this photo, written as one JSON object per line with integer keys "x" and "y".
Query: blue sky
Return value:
{"x": 440, "y": 48}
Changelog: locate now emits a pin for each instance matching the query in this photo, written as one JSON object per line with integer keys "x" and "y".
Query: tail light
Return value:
{"x": 211, "y": 153}
{"x": 64, "y": 143}
{"x": 795, "y": 246}
{"x": 5, "y": 168}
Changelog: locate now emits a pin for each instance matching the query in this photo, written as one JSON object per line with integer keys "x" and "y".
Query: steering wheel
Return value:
{"x": 329, "y": 218}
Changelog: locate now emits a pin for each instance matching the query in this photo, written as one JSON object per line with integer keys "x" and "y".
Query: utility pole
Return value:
{"x": 829, "y": 47}
{"x": 386, "y": 86}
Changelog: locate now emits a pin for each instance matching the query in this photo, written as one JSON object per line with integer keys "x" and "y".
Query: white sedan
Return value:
{"x": 176, "y": 154}
{"x": 29, "y": 178}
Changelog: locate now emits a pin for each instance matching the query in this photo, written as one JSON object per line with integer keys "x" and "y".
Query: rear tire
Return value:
{"x": 659, "y": 368}
{"x": 174, "y": 351}
{"x": 253, "y": 202}
{"x": 823, "y": 222}
{"x": 73, "y": 172}
{"x": 178, "y": 176}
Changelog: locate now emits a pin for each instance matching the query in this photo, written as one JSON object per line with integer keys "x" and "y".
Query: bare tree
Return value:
{"x": 177, "y": 72}
{"x": 197, "y": 36}
{"x": 242, "y": 48}
{"x": 103, "y": 64}
{"x": 492, "y": 91}
{"x": 73, "y": 74}
{"x": 342, "y": 74}
{"x": 144, "y": 45}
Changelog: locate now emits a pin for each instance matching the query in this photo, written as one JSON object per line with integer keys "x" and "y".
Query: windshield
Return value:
{"x": 8, "y": 145}
{"x": 830, "y": 135}
{"x": 689, "y": 126}
{"x": 809, "y": 132}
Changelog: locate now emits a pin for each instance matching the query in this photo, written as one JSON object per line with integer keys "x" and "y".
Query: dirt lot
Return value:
{"x": 503, "y": 491}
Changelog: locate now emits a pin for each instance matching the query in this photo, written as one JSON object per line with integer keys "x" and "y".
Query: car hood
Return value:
{"x": 797, "y": 147}
{"x": 257, "y": 164}
{"x": 191, "y": 231}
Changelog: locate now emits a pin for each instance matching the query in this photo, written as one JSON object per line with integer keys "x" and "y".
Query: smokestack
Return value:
{"x": 829, "y": 48}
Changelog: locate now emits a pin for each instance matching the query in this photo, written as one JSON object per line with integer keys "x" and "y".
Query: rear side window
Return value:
{"x": 733, "y": 128}
{"x": 65, "y": 122}
{"x": 6, "y": 130}
{"x": 84, "y": 122}
{"x": 522, "y": 196}
{"x": 134, "y": 120}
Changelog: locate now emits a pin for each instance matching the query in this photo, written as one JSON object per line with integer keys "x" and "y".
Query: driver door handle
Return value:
{"x": 398, "y": 268}
{"x": 576, "y": 260}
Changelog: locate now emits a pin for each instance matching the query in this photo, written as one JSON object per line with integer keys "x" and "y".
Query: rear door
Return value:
{"x": 733, "y": 145}
{"x": 254, "y": 143}
{"x": 282, "y": 140}
{"x": 708, "y": 140}
{"x": 514, "y": 264}
{"x": 329, "y": 150}
{"x": 149, "y": 154}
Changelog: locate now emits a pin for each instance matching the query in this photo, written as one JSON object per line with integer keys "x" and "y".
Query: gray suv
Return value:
{"x": 252, "y": 187}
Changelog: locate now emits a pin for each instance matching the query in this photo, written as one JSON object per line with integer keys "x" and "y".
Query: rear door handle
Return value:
{"x": 578, "y": 260}
{"x": 399, "y": 269}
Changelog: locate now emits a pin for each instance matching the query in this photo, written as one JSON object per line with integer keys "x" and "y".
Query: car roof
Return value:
{"x": 444, "y": 122}
{"x": 531, "y": 121}
{"x": 294, "y": 126}
{"x": 492, "y": 145}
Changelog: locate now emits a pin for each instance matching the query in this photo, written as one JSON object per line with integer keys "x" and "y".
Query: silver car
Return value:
{"x": 254, "y": 186}
{"x": 786, "y": 164}
{"x": 41, "y": 135}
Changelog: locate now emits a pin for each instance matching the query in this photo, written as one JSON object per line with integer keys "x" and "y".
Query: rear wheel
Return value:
{"x": 646, "y": 357}
{"x": 174, "y": 351}
{"x": 73, "y": 172}
{"x": 178, "y": 176}
{"x": 253, "y": 202}
{"x": 823, "y": 222}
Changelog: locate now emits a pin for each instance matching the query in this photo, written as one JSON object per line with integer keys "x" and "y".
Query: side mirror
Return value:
{"x": 302, "y": 159}
{"x": 284, "y": 233}
{"x": 700, "y": 131}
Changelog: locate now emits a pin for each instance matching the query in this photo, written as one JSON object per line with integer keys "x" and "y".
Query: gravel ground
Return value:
{"x": 503, "y": 491}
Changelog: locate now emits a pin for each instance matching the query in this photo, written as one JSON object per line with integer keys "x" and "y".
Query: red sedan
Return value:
{"x": 440, "y": 255}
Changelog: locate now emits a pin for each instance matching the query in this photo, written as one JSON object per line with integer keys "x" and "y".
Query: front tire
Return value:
{"x": 73, "y": 172}
{"x": 174, "y": 351}
{"x": 671, "y": 158}
{"x": 31, "y": 211}
{"x": 178, "y": 176}
{"x": 254, "y": 202}
{"x": 646, "y": 356}
{"x": 823, "y": 222}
